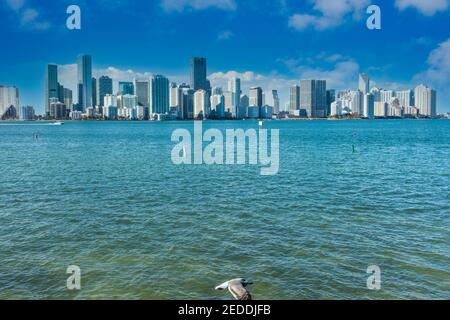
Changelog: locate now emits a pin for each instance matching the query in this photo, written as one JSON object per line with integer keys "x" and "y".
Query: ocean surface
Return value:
{"x": 106, "y": 196}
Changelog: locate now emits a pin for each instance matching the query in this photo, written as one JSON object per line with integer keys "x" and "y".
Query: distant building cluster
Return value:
{"x": 157, "y": 98}
{"x": 382, "y": 103}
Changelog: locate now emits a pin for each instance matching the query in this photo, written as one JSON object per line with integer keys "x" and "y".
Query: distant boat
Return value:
{"x": 58, "y": 123}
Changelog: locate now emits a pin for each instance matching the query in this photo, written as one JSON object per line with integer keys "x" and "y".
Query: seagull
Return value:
{"x": 237, "y": 288}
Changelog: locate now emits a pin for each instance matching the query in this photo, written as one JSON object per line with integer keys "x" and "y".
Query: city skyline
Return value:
{"x": 118, "y": 85}
{"x": 272, "y": 54}
{"x": 156, "y": 97}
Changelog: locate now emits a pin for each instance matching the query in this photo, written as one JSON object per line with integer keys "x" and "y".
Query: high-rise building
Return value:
{"x": 272, "y": 99}
{"x": 126, "y": 87}
{"x": 176, "y": 100}
{"x": 405, "y": 97}
{"x": 60, "y": 93}
{"x": 369, "y": 106}
{"x": 256, "y": 97}
{"x": 364, "y": 85}
{"x": 84, "y": 82}
{"x": 381, "y": 109}
{"x": 336, "y": 108}
{"x": 229, "y": 102}
{"x": 294, "y": 98}
{"x": 234, "y": 86}
{"x": 217, "y": 91}
{"x": 142, "y": 91}
{"x": 94, "y": 92}
{"x": 58, "y": 110}
{"x": 109, "y": 100}
{"x": 395, "y": 109}
{"x": 245, "y": 101}
{"x": 425, "y": 100}
{"x": 159, "y": 95}
{"x": 376, "y": 94}
{"x": 313, "y": 98}
{"x": 51, "y": 85}
{"x": 199, "y": 74}
{"x": 201, "y": 104}
{"x": 105, "y": 86}
{"x": 218, "y": 105}
{"x": 188, "y": 102}
{"x": 356, "y": 102}
{"x": 126, "y": 101}
{"x": 67, "y": 98}
{"x": 175, "y": 96}
{"x": 9, "y": 102}
{"x": 386, "y": 95}
{"x": 27, "y": 113}
{"x": 331, "y": 97}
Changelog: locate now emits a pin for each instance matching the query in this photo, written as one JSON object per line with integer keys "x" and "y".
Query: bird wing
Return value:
{"x": 238, "y": 291}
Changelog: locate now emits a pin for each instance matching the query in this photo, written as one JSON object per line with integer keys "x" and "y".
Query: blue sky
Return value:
{"x": 271, "y": 43}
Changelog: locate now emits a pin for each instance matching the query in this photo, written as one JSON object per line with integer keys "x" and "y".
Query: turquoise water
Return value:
{"x": 106, "y": 197}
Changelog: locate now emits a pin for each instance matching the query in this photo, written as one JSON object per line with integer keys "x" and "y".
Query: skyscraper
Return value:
{"x": 425, "y": 100}
{"x": 234, "y": 86}
{"x": 256, "y": 97}
{"x": 369, "y": 106}
{"x": 216, "y": 91}
{"x": 94, "y": 92}
{"x": 386, "y": 95}
{"x": 356, "y": 102}
{"x": 126, "y": 87}
{"x": 273, "y": 100}
{"x": 188, "y": 101}
{"x": 67, "y": 98}
{"x": 218, "y": 105}
{"x": 245, "y": 101}
{"x": 201, "y": 104}
{"x": 27, "y": 113}
{"x": 199, "y": 74}
{"x": 175, "y": 96}
{"x": 229, "y": 103}
{"x": 51, "y": 85}
{"x": 406, "y": 98}
{"x": 331, "y": 97}
{"x": 294, "y": 98}
{"x": 364, "y": 85}
{"x": 142, "y": 91}
{"x": 105, "y": 86}
{"x": 84, "y": 82}
{"x": 159, "y": 95}
{"x": 313, "y": 97}
{"x": 9, "y": 102}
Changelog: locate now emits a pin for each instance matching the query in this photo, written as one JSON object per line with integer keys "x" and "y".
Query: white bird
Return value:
{"x": 238, "y": 288}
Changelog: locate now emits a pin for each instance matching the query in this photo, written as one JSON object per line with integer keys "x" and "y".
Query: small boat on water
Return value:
{"x": 58, "y": 123}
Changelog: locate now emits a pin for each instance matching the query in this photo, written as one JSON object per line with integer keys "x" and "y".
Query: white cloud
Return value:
{"x": 302, "y": 21}
{"x": 438, "y": 72}
{"x": 328, "y": 14}
{"x": 225, "y": 35}
{"x": 15, "y": 4}
{"x": 339, "y": 71}
{"x": 426, "y": 7}
{"x": 28, "y": 17}
{"x": 181, "y": 5}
